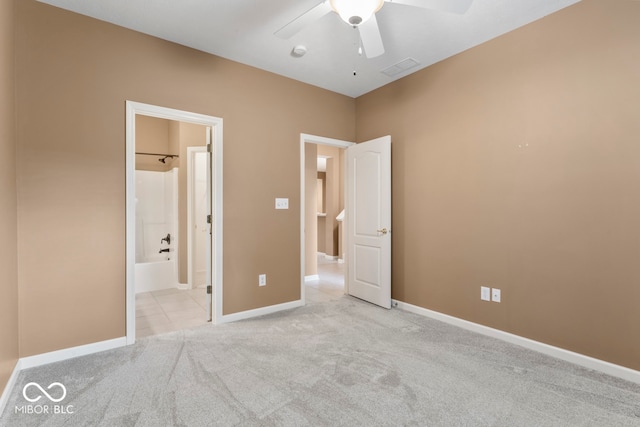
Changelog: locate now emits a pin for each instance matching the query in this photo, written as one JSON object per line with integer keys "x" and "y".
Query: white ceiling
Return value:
{"x": 242, "y": 30}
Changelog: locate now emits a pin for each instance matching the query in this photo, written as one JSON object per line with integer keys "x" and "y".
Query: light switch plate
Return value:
{"x": 495, "y": 295}
{"x": 282, "y": 203}
{"x": 485, "y": 293}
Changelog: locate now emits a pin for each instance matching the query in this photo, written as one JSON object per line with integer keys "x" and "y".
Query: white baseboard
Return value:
{"x": 559, "y": 353}
{"x": 330, "y": 257}
{"x": 311, "y": 278}
{"x": 340, "y": 260}
{"x": 55, "y": 356}
{"x": 70, "y": 353}
{"x": 4, "y": 398}
{"x": 260, "y": 311}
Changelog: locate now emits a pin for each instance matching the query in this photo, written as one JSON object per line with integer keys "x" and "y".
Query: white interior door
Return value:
{"x": 201, "y": 229}
{"x": 368, "y": 173}
{"x": 199, "y": 203}
{"x": 209, "y": 223}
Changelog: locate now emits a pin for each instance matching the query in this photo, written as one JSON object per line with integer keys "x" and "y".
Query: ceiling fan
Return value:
{"x": 361, "y": 14}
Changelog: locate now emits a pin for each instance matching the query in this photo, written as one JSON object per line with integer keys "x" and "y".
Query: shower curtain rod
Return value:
{"x": 159, "y": 155}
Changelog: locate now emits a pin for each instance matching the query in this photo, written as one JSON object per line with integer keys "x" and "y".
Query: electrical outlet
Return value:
{"x": 485, "y": 293}
{"x": 495, "y": 295}
{"x": 282, "y": 203}
{"x": 262, "y": 280}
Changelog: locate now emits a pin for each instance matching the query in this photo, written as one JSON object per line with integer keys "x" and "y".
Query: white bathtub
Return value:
{"x": 154, "y": 276}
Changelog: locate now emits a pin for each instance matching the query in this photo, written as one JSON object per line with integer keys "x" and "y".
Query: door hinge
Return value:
{"x": 209, "y": 148}
{"x": 208, "y": 219}
{"x": 209, "y": 289}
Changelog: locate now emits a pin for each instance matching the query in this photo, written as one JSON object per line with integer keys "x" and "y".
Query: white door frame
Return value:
{"x": 320, "y": 140}
{"x": 136, "y": 108}
{"x": 191, "y": 152}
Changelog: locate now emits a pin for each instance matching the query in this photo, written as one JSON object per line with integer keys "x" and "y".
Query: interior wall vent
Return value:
{"x": 400, "y": 67}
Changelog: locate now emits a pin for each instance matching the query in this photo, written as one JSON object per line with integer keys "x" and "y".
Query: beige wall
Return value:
{"x": 341, "y": 195}
{"x": 321, "y": 190}
{"x": 152, "y": 137}
{"x": 516, "y": 165}
{"x": 311, "y": 209}
{"x": 8, "y": 206}
{"x": 322, "y": 225}
{"x": 333, "y": 201}
{"x": 75, "y": 76}
{"x": 333, "y": 206}
{"x": 321, "y": 207}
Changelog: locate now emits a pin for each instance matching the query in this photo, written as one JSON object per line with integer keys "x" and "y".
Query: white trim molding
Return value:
{"x": 311, "y": 278}
{"x": 557, "y": 352}
{"x": 70, "y": 353}
{"x": 261, "y": 311}
{"x": 8, "y": 389}
{"x": 56, "y": 356}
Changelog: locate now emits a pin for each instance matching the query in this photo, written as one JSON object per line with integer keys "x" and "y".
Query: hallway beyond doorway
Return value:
{"x": 330, "y": 284}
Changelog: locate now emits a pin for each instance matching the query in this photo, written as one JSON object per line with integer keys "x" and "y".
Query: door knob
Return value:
{"x": 383, "y": 231}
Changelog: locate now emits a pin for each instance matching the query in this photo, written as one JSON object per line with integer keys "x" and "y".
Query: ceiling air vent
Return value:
{"x": 400, "y": 67}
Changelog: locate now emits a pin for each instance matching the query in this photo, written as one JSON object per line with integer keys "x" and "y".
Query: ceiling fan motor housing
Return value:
{"x": 355, "y": 12}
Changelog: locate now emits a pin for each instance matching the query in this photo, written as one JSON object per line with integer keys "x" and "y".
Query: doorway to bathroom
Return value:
{"x": 174, "y": 219}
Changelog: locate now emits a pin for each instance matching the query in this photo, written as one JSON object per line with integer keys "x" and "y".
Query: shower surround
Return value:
{"x": 156, "y": 230}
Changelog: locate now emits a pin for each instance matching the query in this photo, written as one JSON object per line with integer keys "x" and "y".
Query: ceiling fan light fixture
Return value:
{"x": 356, "y": 12}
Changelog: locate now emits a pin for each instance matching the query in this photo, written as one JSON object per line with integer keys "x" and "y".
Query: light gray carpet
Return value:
{"x": 335, "y": 362}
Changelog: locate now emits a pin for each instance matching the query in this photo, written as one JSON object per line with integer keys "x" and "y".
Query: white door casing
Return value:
{"x": 216, "y": 138}
{"x": 368, "y": 181}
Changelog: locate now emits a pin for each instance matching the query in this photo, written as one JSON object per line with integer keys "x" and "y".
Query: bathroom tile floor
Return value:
{"x": 169, "y": 310}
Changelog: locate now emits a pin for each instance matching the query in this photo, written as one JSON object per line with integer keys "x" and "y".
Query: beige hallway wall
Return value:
{"x": 516, "y": 165}
{"x": 334, "y": 183}
{"x": 311, "y": 209}
{"x": 75, "y": 75}
{"x": 8, "y": 206}
{"x": 321, "y": 207}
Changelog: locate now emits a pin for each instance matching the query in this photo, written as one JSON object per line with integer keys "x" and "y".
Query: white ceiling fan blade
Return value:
{"x": 453, "y": 6}
{"x": 303, "y": 20}
{"x": 371, "y": 38}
